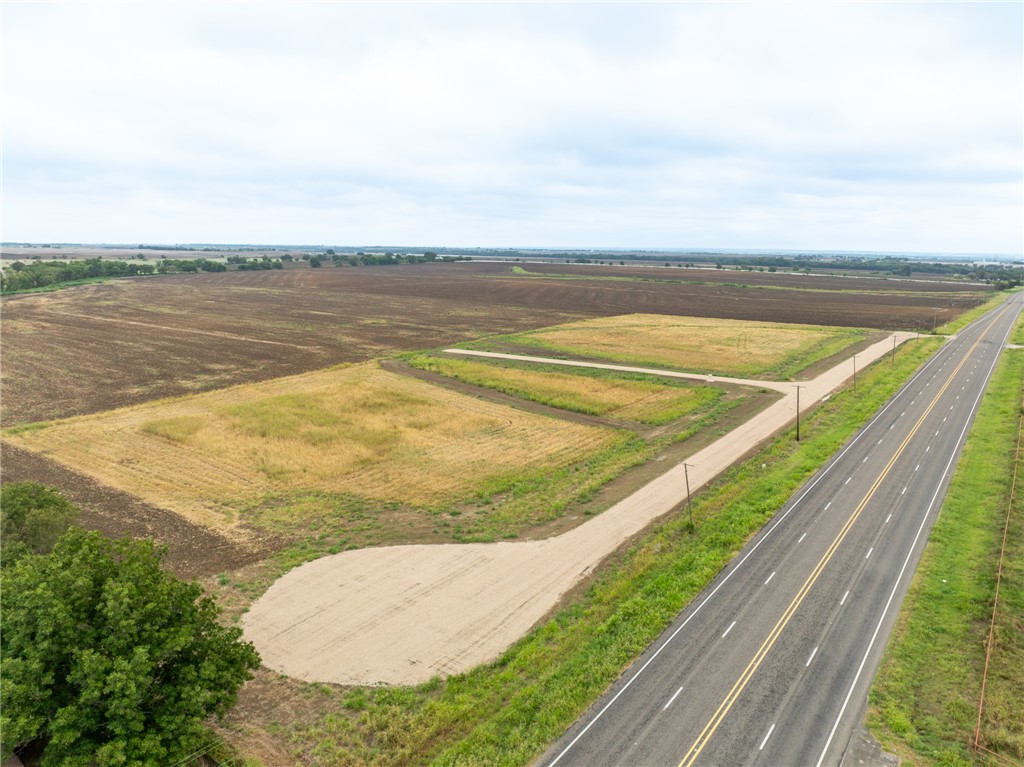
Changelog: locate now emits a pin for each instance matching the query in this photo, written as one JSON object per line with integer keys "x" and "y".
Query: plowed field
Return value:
{"x": 97, "y": 347}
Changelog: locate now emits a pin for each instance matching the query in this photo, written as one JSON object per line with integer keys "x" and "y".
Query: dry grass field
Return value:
{"x": 355, "y": 430}
{"x": 701, "y": 345}
{"x": 636, "y": 398}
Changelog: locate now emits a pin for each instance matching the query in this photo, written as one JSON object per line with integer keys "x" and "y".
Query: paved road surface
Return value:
{"x": 771, "y": 665}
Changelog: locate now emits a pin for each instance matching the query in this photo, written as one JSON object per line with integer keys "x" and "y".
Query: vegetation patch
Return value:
{"x": 507, "y": 712}
{"x": 701, "y": 345}
{"x": 646, "y": 399}
{"x": 357, "y": 431}
{"x": 924, "y": 702}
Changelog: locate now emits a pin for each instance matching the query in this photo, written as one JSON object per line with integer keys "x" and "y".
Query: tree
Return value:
{"x": 314, "y": 261}
{"x": 110, "y": 660}
{"x": 32, "y": 518}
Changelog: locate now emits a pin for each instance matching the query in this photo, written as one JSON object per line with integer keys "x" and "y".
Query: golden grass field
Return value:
{"x": 591, "y": 392}
{"x": 358, "y": 430}
{"x": 723, "y": 347}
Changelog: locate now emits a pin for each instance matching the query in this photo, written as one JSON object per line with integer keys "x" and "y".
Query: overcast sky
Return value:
{"x": 858, "y": 126}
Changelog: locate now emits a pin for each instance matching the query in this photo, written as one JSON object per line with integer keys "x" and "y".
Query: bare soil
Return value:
{"x": 97, "y": 347}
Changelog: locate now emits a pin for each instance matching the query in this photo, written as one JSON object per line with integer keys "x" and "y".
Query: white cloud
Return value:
{"x": 751, "y": 125}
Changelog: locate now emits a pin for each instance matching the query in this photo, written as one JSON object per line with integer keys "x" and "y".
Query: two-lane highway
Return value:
{"x": 772, "y": 663}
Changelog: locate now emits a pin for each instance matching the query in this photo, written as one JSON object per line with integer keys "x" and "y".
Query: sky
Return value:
{"x": 837, "y": 126}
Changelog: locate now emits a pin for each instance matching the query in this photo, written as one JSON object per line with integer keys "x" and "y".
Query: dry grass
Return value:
{"x": 357, "y": 430}
{"x": 586, "y": 391}
{"x": 723, "y": 347}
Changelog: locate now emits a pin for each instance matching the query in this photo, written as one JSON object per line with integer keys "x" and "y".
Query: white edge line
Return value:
{"x": 913, "y": 545}
{"x": 746, "y": 556}
{"x": 674, "y": 696}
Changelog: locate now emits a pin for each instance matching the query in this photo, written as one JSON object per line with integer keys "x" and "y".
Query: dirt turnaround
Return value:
{"x": 404, "y": 614}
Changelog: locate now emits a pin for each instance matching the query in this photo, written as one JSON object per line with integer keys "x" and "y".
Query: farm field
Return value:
{"x": 354, "y": 432}
{"x": 621, "y": 396}
{"x": 103, "y": 346}
{"x": 773, "y": 351}
{"x": 245, "y": 483}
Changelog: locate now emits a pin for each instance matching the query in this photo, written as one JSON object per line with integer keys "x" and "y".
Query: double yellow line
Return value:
{"x": 766, "y": 646}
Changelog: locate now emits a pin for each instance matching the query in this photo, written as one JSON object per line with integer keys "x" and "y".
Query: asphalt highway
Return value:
{"x": 772, "y": 663}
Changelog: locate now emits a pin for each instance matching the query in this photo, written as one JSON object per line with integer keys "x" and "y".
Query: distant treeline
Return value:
{"x": 898, "y": 267}
{"x": 44, "y": 274}
{"x": 386, "y": 259}
{"x": 1000, "y": 276}
{"x": 41, "y": 274}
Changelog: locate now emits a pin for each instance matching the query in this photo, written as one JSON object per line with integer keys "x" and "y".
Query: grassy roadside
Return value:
{"x": 507, "y": 712}
{"x": 925, "y": 697}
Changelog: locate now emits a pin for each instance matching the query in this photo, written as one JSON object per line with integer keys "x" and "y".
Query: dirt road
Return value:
{"x": 403, "y": 614}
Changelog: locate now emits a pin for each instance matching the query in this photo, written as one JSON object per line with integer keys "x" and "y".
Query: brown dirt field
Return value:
{"x": 97, "y": 347}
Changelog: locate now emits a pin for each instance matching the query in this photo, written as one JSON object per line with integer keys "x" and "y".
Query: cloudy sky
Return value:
{"x": 853, "y": 126}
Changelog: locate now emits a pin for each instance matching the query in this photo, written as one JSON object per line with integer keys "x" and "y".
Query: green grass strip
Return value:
{"x": 925, "y": 697}
{"x": 508, "y": 712}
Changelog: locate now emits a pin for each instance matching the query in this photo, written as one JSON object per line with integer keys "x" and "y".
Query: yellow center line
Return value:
{"x": 709, "y": 729}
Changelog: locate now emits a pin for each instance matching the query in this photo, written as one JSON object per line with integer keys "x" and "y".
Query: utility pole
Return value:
{"x": 855, "y": 372}
{"x": 689, "y": 505}
{"x": 798, "y": 388}
{"x": 893, "y": 348}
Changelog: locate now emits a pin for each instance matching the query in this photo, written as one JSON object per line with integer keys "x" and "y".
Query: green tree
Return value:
{"x": 110, "y": 660}
{"x": 32, "y": 518}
